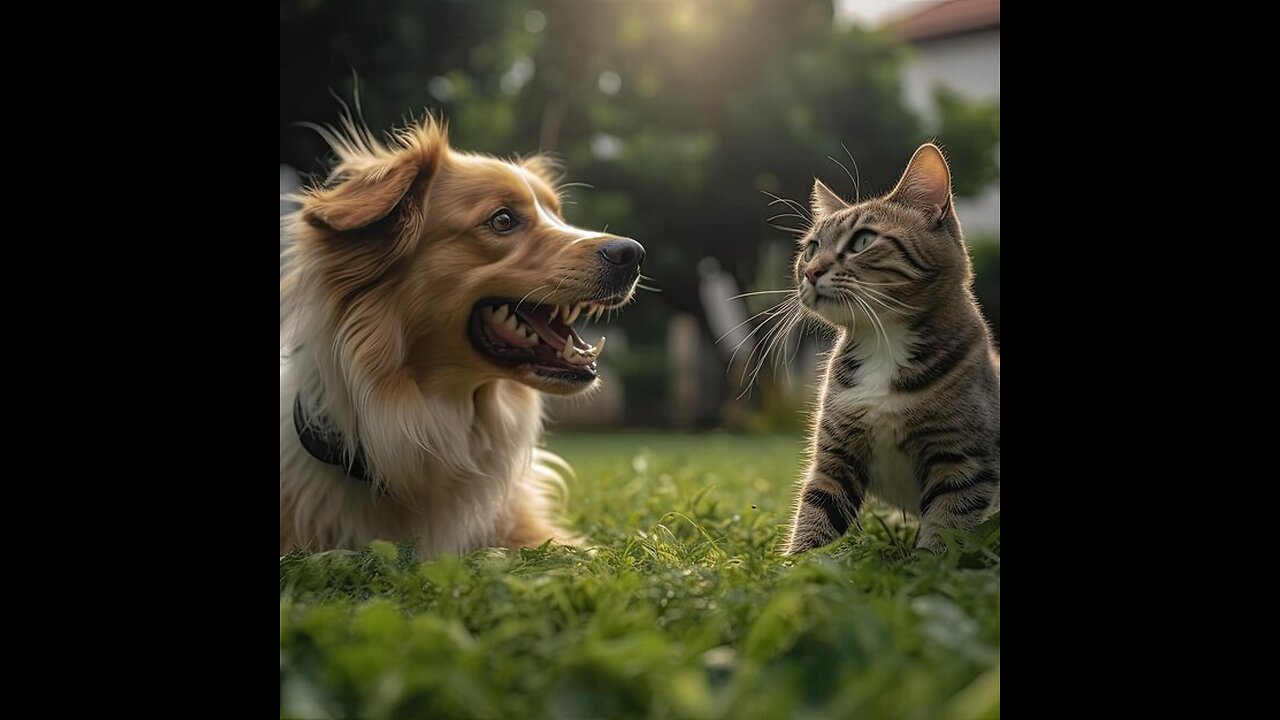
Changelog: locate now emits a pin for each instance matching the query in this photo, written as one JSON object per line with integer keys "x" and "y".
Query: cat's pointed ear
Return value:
{"x": 926, "y": 182}
{"x": 822, "y": 200}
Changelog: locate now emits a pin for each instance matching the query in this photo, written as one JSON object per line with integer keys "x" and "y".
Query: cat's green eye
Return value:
{"x": 862, "y": 240}
{"x": 810, "y": 250}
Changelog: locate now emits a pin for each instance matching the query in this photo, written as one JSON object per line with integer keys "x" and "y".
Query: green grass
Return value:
{"x": 684, "y": 609}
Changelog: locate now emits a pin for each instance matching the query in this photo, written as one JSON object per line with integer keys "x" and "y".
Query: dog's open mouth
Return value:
{"x": 539, "y": 336}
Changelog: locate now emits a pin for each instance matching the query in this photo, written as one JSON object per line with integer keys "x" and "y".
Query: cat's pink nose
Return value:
{"x": 813, "y": 274}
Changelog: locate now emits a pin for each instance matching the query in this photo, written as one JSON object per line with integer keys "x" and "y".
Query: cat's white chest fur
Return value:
{"x": 891, "y": 471}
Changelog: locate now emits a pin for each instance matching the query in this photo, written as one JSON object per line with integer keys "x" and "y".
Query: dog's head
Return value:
{"x": 441, "y": 263}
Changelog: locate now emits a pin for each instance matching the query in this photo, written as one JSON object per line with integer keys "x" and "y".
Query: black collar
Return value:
{"x": 324, "y": 442}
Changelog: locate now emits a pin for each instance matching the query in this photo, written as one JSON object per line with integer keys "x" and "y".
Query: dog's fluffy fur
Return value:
{"x": 385, "y": 263}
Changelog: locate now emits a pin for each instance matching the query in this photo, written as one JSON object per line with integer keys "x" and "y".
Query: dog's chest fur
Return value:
{"x": 439, "y": 509}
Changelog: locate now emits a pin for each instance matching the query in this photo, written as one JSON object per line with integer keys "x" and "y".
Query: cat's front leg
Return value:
{"x": 958, "y": 502}
{"x": 828, "y": 501}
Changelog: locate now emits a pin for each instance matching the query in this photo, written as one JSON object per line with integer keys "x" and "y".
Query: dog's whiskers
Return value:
{"x": 557, "y": 288}
{"x": 526, "y": 296}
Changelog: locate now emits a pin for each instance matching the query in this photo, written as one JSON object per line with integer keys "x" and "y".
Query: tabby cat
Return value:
{"x": 910, "y": 405}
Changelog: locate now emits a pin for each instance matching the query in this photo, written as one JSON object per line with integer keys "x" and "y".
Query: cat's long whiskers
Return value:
{"x": 761, "y": 347}
{"x": 880, "y": 284}
{"x": 879, "y": 297}
{"x": 765, "y": 345}
{"x": 798, "y": 232}
{"x": 759, "y": 292}
{"x": 797, "y": 206}
{"x": 790, "y": 204}
{"x": 875, "y": 318}
{"x": 800, "y": 317}
{"x": 871, "y": 317}
{"x": 784, "y": 215}
{"x": 846, "y": 281}
{"x": 753, "y": 317}
{"x": 887, "y": 308}
{"x": 778, "y": 309}
{"x": 853, "y": 314}
{"x": 857, "y": 184}
{"x": 786, "y": 325}
{"x": 882, "y": 299}
{"x": 846, "y": 171}
{"x": 887, "y": 297}
{"x": 768, "y": 343}
{"x": 795, "y": 320}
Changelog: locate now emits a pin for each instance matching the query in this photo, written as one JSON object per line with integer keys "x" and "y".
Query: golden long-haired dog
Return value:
{"x": 427, "y": 299}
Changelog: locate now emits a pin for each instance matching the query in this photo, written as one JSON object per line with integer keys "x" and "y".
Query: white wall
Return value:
{"x": 980, "y": 215}
{"x": 970, "y": 65}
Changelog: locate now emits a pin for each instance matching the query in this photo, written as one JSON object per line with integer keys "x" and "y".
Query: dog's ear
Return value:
{"x": 545, "y": 167}
{"x": 364, "y": 198}
{"x": 372, "y": 180}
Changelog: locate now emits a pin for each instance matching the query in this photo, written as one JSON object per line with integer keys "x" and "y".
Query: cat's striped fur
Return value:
{"x": 910, "y": 405}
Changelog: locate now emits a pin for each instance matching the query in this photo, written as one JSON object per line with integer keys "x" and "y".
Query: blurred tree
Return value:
{"x": 678, "y": 113}
{"x": 970, "y": 133}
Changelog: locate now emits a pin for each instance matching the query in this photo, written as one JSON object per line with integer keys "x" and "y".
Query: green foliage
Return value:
{"x": 970, "y": 132}
{"x": 681, "y": 607}
{"x": 985, "y": 253}
{"x": 714, "y": 102}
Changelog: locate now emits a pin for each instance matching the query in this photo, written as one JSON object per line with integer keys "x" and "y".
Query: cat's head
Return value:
{"x": 891, "y": 257}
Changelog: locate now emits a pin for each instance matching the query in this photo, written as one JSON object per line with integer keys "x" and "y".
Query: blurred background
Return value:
{"x": 684, "y": 117}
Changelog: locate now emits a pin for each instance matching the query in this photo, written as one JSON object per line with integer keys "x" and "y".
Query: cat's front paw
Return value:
{"x": 929, "y": 541}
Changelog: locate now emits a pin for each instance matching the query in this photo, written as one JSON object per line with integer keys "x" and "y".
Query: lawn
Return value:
{"x": 684, "y": 608}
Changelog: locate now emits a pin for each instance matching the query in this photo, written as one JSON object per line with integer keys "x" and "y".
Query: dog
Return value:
{"x": 427, "y": 299}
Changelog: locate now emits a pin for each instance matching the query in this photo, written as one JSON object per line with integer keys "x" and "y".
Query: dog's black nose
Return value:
{"x": 623, "y": 252}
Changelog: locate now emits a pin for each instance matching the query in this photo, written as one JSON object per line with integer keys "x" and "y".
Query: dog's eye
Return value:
{"x": 502, "y": 221}
{"x": 810, "y": 250}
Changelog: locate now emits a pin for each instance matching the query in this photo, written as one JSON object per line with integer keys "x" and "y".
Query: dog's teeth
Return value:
{"x": 555, "y": 310}
{"x": 511, "y": 322}
{"x": 501, "y": 313}
{"x": 599, "y": 347}
{"x": 567, "y": 351}
{"x": 573, "y": 315}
